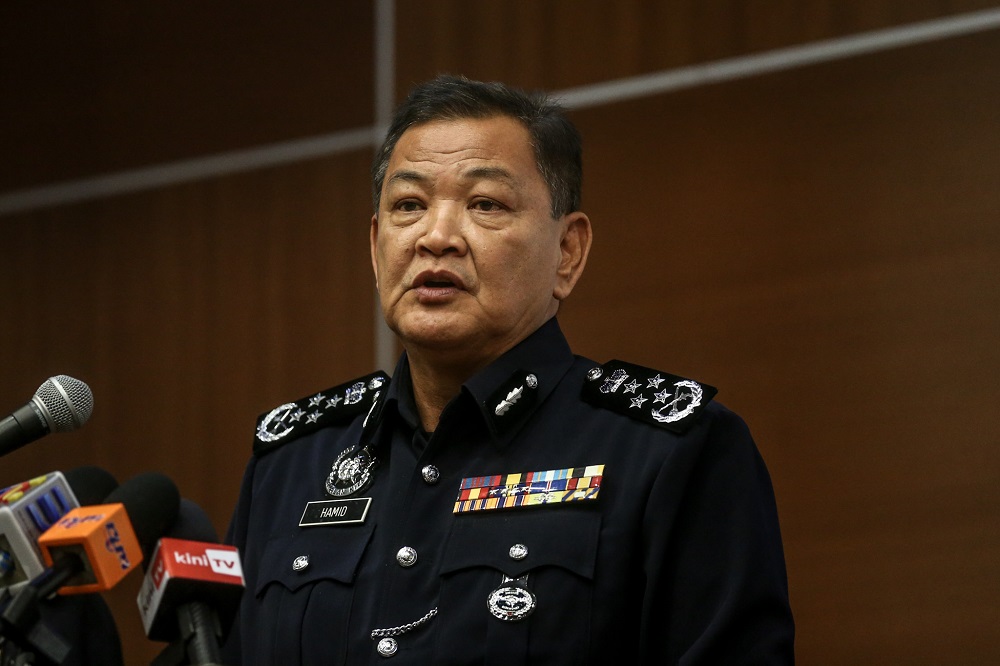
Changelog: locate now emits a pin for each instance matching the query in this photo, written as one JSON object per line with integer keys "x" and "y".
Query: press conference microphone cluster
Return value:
{"x": 90, "y": 549}
{"x": 60, "y": 404}
{"x": 191, "y": 591}
{"x": 30, "y": 508}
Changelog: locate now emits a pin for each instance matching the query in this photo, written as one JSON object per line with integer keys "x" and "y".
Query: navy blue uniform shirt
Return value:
{"x": 669, "y": 553}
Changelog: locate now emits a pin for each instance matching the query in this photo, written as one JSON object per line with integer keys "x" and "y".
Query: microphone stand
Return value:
{"x": 198, "y": 643}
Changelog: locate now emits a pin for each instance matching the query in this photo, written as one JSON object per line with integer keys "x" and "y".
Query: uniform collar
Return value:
{"x": 508, "y": 390}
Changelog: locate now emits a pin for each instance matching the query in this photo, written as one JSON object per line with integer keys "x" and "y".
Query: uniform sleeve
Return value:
{"x": 236, "y": 535}
{"x": 717, "y": 590}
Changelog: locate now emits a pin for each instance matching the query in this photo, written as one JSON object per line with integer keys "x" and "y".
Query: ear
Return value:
{"x": 373, "y": 244}
{"x": 574, "y": 247}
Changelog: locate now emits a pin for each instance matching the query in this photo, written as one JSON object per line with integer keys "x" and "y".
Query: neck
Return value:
{"x": 434, "y": 385}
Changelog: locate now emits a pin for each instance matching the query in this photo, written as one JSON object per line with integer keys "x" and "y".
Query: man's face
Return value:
{"x": 467, "y": 257}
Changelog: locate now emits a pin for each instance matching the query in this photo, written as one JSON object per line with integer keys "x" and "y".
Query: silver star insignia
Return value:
{"x": 298, "y": 414}
{"x": 312, "y": 418}
{"x": 661, "y": 396}
{"x": 631, "y": 386}
{"x": 655, "y": 381}
{"x": 637, "y": 401}
{"x": 334, "y": 401}
{"x": 316, "y": 399}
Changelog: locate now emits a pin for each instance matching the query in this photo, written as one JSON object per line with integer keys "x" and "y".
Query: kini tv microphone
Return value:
{"x": 30, "y": 508}
{"x": 191, "y": 591}
{"x": 60, "y": 404}
{"x": 92, "y": 548}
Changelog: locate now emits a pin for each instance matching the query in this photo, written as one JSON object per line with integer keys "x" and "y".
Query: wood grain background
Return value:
{"x": 821, "y": 243}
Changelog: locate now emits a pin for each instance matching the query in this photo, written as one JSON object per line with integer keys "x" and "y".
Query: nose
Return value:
{"x": 442, "y": 233}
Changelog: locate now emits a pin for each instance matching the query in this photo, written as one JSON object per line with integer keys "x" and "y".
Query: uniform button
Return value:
{"x": 300, "y": 563}
{"x": 431, "y": 474}
{"x": 531, "y": 381}
{"x": 387, "y": 647}
{"x": 518, "y": 551}
{"x": 406, "y": 556}
{"x": 594, "y": 374}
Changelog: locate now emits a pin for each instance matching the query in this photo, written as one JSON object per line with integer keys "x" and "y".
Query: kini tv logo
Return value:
{"x": 224, "y": 562}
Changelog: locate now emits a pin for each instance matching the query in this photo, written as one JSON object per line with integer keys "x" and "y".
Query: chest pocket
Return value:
{"x": 306, "y": 588}
{"x": 556, "y": 548}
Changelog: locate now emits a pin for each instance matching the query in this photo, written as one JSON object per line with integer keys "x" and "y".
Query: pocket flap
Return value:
{"x": 313, "y": 554}
{"x": 564, "y": 537}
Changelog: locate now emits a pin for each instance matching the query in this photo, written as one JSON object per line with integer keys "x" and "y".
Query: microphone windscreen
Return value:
{"x": 90, "y": 484}
{"x": 66, "y": 401}
{"x": 193, "y": 524}
{"x": 152, "y": 501}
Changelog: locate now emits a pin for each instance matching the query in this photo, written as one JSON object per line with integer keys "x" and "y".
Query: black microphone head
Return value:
{"x": 152, "y": 501}
{"x": 66, "y": 403}
{"x": 90, "y": 484}
{"x": 193, "y": 524}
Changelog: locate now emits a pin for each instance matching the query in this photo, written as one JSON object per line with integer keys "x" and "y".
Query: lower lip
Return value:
{"x": 427, "y": 294}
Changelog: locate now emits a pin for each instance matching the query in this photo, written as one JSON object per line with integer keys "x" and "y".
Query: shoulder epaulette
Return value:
{"x": 644, "y": 394}
{"x": 292, "y": 420}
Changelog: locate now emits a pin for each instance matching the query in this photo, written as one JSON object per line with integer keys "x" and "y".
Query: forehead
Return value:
{"x": 466, "y": 145}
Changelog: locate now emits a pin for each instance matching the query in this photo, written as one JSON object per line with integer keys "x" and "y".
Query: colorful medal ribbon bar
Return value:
{"x": 506, "y": 491}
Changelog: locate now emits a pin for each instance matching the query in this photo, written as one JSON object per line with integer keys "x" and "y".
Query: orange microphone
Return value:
{"x": 92, "y": 548}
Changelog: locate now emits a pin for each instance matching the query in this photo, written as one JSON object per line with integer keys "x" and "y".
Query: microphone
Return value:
{"x": 30, "y": 508}
{"x": 92, "y": 548}
{"x": 191, "y": 590}
{"x": 60, "y": 404}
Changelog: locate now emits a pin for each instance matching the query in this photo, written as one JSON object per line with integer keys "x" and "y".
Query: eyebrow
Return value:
{"x": 476, "y": 173}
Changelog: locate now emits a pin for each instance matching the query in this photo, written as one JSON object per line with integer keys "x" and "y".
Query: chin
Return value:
{"x": 438, "y": 334}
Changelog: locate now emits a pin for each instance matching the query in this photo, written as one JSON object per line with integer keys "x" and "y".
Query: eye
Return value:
{"x": 408, "y": 206}
{"x": 486, "y": 205}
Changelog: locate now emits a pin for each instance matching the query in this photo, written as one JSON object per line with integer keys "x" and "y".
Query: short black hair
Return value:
{"x": 555, "y": 140}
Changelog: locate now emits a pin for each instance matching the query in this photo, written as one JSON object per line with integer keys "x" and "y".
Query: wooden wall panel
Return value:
{"x": 556, "y": 44}
{"x": 101, "y": 86}
{"x": 822, "y": 244}
{"x": 189, "y": 311}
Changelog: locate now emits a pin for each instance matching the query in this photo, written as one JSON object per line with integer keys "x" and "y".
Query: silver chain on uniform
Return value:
{"x": 396, "y": 631}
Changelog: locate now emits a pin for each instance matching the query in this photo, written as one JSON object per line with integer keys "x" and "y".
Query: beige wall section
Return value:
{"x": 820, "y": 243}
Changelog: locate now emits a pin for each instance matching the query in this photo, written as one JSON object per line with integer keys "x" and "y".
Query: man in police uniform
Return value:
{"x": 500, "y": 500}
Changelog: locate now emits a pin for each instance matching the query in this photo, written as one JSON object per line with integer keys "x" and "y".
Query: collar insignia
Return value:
{"x": 512, "y": 400}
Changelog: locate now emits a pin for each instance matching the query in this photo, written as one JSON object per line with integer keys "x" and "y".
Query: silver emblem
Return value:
{"x": 274, "y": 426}
{"x": 406, "y": 557}
{"x": 612, "y": 383}
{"x": 511, "y": 601}
{"x": 531, "y": 381}
{"x": 509, "y": 401}
{"x": 686, "y": 398}
{"x": 354, "y": 394}
{"x": 518, "y": 551}
{"x": 350, "y": 473}
{"x": 375, "y": 383}
{"x": 300, "y": 563}
{"x": 594, "y": 374}
{"x": 431, "y": 474}
{"x": 387, "y": 647}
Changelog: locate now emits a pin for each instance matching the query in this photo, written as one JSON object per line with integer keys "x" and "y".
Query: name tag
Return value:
{"x": 335, "y": 512}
